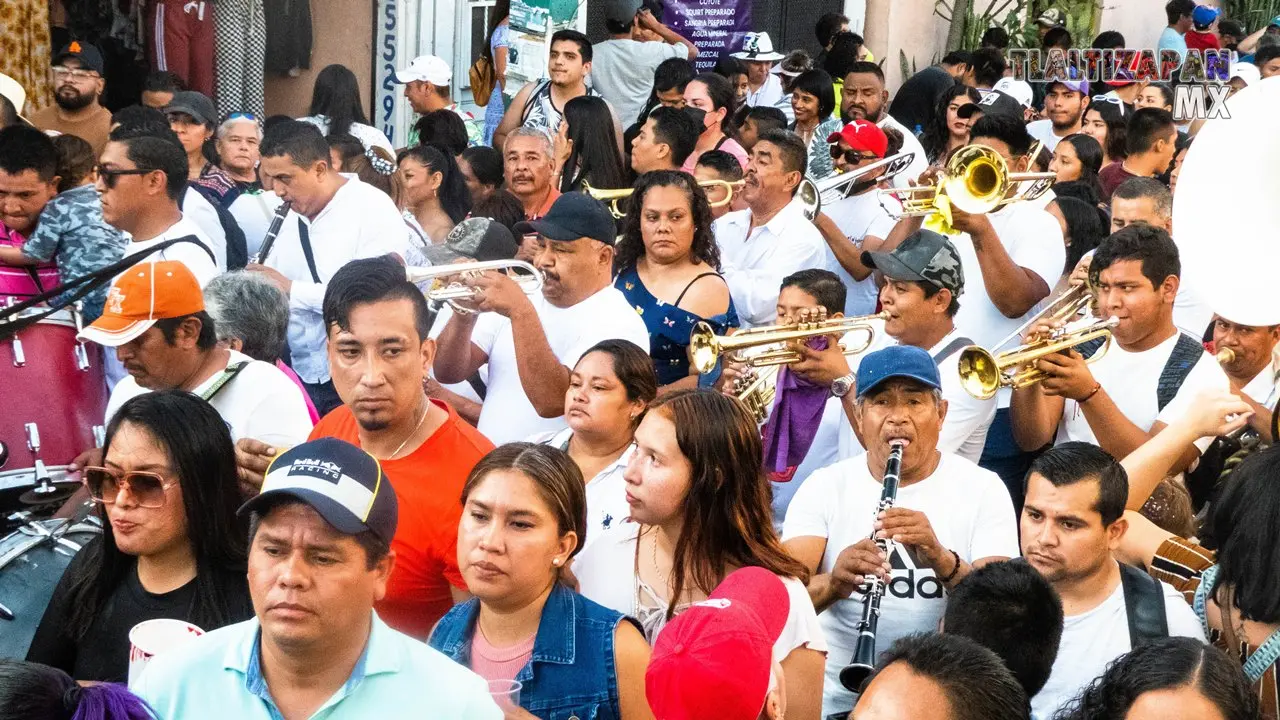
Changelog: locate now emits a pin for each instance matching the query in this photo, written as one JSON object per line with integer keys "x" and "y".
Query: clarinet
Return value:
{"x": 277, "y": 221}
{"x": 854, "y": 675}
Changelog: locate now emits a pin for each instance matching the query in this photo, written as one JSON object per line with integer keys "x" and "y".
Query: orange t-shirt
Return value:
{"x": 428, "y": 484}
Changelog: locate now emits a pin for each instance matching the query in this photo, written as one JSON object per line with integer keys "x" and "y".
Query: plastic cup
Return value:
{"x": 153, "y": 637}
{"x": 506, "y": 693}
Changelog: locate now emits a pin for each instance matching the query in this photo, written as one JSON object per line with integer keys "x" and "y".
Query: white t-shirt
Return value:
{"x": 606, "y": 572}
{"x": 1094, "y": 638}
{"x": 964, "y": 432}
{"x": 607, "y": 504}
{"x": 1130, "y": 380}
{"x": 970, "y": 511}
{"x": 260, "y": 402}
{"x": 189, "y": 254}
{"x": 197, "y": 210}
{"x": 438, "y": 325}
{"x": 857, "y": 217}
{"x": 622, "y": 72}
{"x": 1042, "y": 130}
{"x": 507, "y": 414}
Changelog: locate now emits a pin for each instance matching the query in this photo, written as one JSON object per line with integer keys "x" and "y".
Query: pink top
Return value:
{"x": 493, "y": 663}
{"x": 729, "y": 145}
{"x": 311, "y": 407}
{"x": 16, "y": 281}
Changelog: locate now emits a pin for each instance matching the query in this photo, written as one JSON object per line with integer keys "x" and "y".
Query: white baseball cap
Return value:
{"x": 428, "y": 68}
{"x": 1017, "y": 89}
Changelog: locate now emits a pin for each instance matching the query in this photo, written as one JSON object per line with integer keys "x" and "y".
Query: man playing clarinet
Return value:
{"x": 949, "y": 515}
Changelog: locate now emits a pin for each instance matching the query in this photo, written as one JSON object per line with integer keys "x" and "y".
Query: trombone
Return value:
{"x": 614, "y": 197}
{"x": 530, "y": 280}
{"x": 815, "y": 195}
{"x": 706, "y": 348}
{"x": 983, "y": 372}
{"x": 976, "y": 180}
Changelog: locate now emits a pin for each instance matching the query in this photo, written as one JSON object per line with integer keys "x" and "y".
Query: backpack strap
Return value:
{"x": 1143, "y": 606}
{"x": 542, "y": 86}
{"x": 1186, "y": 353}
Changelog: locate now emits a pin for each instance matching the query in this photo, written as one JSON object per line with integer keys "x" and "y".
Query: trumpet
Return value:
{"x": 983, "y": 372}
{"x": 706, "y": 348}
{"x": 977, "y": 181}
{"x": 757, "y": 390}
{"x": 615, "y": 197}
{"x": 815, "y": 195}
{"x": 854, "y": 675}
{"x": 452, "y": 292}
{"x": 610, "y": 197}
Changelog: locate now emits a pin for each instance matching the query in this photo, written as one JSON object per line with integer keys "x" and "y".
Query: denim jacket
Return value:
{"x": 572, "y": 674}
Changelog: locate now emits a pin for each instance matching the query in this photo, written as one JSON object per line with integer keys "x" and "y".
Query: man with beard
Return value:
{"x": 865, "y": 98}
{"x": 1064, "y": 104}
{"x": 1072, "y": 522}
{"x": 77, "y": 74}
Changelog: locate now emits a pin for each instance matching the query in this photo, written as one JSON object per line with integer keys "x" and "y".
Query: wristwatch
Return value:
{"x": 842, "y": 385}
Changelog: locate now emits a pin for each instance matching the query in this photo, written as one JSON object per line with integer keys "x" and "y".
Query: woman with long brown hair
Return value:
{"x": 700, "y": 510}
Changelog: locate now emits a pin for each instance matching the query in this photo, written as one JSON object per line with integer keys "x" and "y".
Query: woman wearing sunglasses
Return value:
{"x": 171, "y": 545}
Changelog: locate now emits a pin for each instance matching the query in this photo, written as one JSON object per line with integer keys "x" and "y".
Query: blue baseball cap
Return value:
{"x": 341, "y": 482}
{"x": 897, "y": 361}
{"x": 1203, "y": 16}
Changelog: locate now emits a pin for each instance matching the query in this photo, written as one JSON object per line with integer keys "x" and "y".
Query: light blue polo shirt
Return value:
{"x": 219, "y": 676}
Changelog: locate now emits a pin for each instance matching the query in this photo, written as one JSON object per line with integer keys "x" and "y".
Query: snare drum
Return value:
{"x": 30, "y": 567}
{"x": 55, "y": 394}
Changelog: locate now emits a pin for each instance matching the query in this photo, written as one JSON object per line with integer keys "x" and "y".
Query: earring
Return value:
{"x": 556, "y": 562}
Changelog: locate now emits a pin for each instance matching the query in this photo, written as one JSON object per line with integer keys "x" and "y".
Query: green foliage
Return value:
{"x": 1253, "y": 14}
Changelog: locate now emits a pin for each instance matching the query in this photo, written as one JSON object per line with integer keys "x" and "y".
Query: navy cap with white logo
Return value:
{"x": 341, "y": 482}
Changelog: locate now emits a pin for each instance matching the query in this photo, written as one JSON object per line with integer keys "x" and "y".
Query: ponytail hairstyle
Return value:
{"x": 31, "y": 691}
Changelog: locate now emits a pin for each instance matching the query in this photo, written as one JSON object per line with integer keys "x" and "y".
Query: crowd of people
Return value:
{"x": 372, "y": 482}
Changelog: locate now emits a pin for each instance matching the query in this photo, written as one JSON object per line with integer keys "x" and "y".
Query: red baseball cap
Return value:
{"x": 141, "y": 295}
{"x": 863, "y": 135}
{"x": 715, "y": 659}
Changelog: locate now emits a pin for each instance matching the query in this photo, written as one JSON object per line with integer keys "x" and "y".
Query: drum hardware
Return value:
{"x": 81, "y": 352}
{"x": 99, "y": 436}
{"x": 4, "y": 454}
{"x": 33, "y": 437}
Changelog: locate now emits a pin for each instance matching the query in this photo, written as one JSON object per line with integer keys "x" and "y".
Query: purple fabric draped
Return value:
{"x": 797, "y": 411}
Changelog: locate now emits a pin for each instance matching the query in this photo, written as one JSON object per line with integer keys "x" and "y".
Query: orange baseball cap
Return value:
{"x": 143, "y": 294}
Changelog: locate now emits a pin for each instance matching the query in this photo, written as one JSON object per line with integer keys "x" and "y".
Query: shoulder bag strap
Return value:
{"x": 1262, "y": 658}
{"x": 227, "y": 376}
{"x": 951, "y": 349}
{"x": 305, "y": 236}
{"x": 1143, "y": 606}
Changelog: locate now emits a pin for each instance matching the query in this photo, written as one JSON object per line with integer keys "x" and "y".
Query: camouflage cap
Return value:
{"x": 925, "y": 256}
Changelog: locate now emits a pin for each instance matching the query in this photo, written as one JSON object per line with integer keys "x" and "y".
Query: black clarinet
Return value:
{"x": 277, "y": 222}
{"x": 854, "y": 675}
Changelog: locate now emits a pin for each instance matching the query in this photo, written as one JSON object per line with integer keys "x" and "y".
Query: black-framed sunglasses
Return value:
{"x": 853, "y": 157}
{"x": 111, "y": 176}
{"x": 148, "y": 489}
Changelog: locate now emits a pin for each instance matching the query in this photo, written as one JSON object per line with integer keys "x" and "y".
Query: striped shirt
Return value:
{"x": 1181, "y": 563}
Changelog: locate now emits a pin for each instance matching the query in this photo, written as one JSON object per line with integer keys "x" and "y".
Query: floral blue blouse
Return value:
{"x": 669, "y": 325}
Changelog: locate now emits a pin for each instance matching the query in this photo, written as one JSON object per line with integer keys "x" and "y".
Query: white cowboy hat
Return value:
{"x": 757, "y": 47}
{"x": 13, "y": 91}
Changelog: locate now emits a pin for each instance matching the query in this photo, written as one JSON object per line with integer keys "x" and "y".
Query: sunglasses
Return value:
{"x": 242, "y": 116}
{"x": 147, "y": 488}
{"x": 1112, "y": 99}
{"x": 111, "y": 176}
{"x": 850, "y": 156}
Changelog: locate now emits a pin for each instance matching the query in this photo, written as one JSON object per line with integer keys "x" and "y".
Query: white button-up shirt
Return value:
{"x": 755, "y": 260}
{"x": 607, "y": 504}
{"x": 359, "y": 222}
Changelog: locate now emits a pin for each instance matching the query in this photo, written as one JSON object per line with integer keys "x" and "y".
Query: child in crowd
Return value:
{"x": 71, "y": 231}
